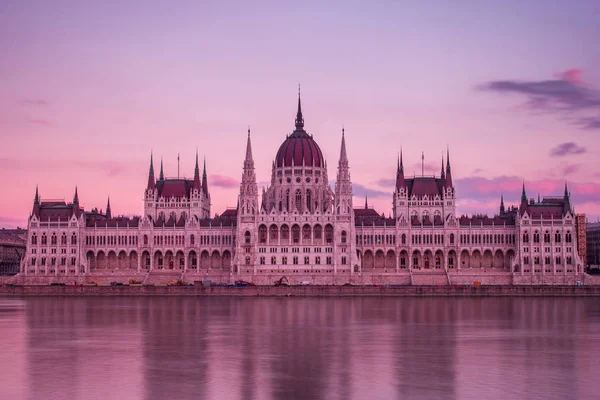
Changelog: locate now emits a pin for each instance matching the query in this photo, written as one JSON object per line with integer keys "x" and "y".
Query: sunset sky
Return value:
{"x": 89, "y": 88}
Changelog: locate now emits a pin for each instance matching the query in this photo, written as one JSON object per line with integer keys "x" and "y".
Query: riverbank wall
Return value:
{"x": 305, "y": 291}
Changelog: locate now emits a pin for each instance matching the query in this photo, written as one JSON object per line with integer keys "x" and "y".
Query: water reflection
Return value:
{"x": 288, "y": 348}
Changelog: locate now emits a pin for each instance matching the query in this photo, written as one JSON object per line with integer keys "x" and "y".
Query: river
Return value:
{"x": 299, "y": 348}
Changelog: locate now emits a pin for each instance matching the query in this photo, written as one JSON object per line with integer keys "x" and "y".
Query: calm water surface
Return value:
{"x": 294, "y": 348}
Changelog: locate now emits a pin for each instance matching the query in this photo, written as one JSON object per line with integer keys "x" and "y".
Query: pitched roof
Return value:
{"x": 421, "y": 186}
{"x": 178, "y": 188}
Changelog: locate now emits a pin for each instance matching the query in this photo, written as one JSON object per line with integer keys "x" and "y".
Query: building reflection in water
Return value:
{"x": 292, "y": 348}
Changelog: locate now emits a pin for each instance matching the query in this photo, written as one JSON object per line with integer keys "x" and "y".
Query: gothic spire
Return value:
{"x": 566, "y": 196}
{"x": 366, "y": 201}
{"x": 448, "y": 171}
{"x": 523, "y": 195}
{"x": 343, "y": 154}
{"x": 196, "y": 174}
{"x": 400, "y": 172}
{"x": 36, "y": 199}
{"x": 249, "y": 160}
{"x": 108, "y": 213}
{"x": 76, "y": 198}
{"x": 502, "y": 209}
{"x": 161, "y": 176}
{"x": 151, "y": 181}
{"x": 299, "y": 118}
{"x": 442, "y": 174}
{"x": 204, "y": 181}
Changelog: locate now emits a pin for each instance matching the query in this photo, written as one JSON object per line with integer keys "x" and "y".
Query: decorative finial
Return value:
{"x": 299, "y": 118}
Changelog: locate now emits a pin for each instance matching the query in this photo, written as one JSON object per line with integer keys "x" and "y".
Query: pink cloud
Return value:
{"x": 572, "y": 75}
{"x": 42, "y": 122}
{"x": 223, "y": 181}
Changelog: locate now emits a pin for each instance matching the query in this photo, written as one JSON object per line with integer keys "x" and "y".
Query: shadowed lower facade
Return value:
{"x": 303, "y": 228}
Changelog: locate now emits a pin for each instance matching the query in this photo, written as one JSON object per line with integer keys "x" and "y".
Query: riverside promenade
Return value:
{"x": 304, "y": 291}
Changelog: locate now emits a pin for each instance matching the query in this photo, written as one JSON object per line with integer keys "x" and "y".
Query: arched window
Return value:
{"x": 247, "y": 260}
{"x": 308, "y": 200}
{"x": 536, "y": 237}
{"x": 299, "y": 200}
{"x": 285, "y": 232}
{"x": 262, "y": 234}
{"x": 318, "y": 232}
{"x": 44, "y": 238}
{"x": 287, "y": 200}
{"x": 344, "y": 237}
{"x": 192, "y": 240}
{"x": 273, "y": 232}
{"x": 146, "y": 240}
{"x": 295, "y": 234}
{"x": 63, "y": 239}
{"x": 403, "y": 238}
{"x": 452, "y": 238}
{"x": 547, "y": 237}
{"x": 73, "y": 239}
{"x": 306, "y": 232}
{"x": 568, "y": 237}
{"x": 247, "y": 237}
{"x": 34, "y": 239}
{"x": 525, "y": 237}
{"x": 557, "y": 237}
{"x": 53, "y": 239}
{"x": 328, "y": 234}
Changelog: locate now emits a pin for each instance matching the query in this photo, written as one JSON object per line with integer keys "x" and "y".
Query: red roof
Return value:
{"x": 421, "y": 186}
{"x": 178, "y": 188}
{"x": 299, "y": 149}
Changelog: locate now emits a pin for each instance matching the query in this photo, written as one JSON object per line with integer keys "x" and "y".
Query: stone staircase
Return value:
{"x": 432, "y": 278}
{"x": 162, "y": 278}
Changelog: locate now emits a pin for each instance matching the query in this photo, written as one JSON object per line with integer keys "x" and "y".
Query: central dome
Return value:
{"x": 299, "y": 148}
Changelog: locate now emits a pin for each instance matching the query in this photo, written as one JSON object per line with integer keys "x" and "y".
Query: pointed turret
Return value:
{"x": 249, "y": 161}
{"x": 400, "y": 172}
{"x": 108, "y": 213}
{"x": 196, "y": 185}
{"x": 161, "y": 177}
{"x": 448, "y": 170}
{"x": 151, "y": 182}
{"x": 36, "y": 203}
{"x": 343, "y": 154}
{"x": 523, "y": 195}
{"x": 502, "y": 204}
{"x": 567, "y": 200}
{"x": 443, "y": 174}
{"x": 299, "y": 119}
{"x": 204, "y": 181}
{"x": 76, "y": 198}
{"x": 366, "y": 201}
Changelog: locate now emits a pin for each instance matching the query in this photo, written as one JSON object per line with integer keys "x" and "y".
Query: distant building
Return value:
{"x": 580, "y": 224}
{"x": 593, "y": 243}
{"x": 12, "y": 250}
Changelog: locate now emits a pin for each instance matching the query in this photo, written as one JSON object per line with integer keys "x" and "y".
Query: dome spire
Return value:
{"x": 299, "y": 118}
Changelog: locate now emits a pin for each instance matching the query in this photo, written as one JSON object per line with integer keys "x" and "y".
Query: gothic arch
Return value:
{"x": 390, "y": 259}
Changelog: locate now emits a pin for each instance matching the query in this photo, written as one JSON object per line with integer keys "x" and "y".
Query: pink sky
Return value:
{"x": 88, "y": 91}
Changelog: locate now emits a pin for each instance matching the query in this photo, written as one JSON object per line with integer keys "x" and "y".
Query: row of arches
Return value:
{"x": 284, "y": 234}
{"x": 436, "y": 259}
{"x": 158, "y": 260}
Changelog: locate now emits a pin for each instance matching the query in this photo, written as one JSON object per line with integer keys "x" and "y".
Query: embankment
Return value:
{"x": 303, "y": 291}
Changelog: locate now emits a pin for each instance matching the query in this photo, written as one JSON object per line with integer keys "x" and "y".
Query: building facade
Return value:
{"x": 302, "y": 226}
{"x": 593, "y": 243}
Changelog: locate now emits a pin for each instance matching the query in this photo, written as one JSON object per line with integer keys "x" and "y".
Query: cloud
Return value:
{"x": 10, "y": 222}
{"x": 112, "y": 168}
{"x": 42, "y": 122}
{"x": 564, "y": 149}
{"x": 385, "y": 182}
{"x": 567, "y": 94}
{"x": 571, "y": 168}
{"x": 223, "y": 182}
{"x": 359, "y": 190}
{"x": 35, "y": 102}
